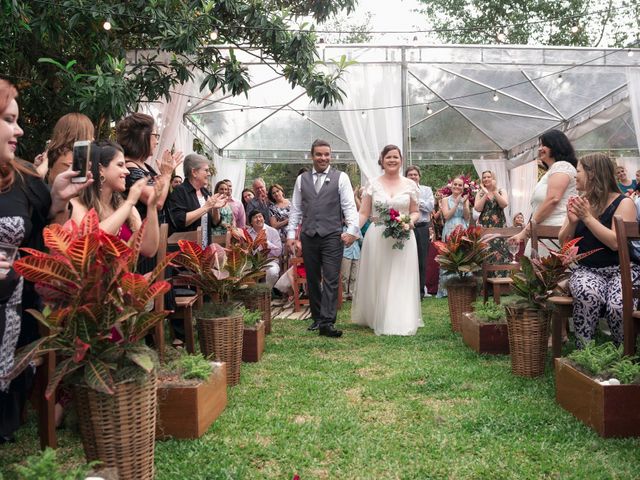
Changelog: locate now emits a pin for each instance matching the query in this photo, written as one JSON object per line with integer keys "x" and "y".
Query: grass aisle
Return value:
{"x": 367, "y": 407}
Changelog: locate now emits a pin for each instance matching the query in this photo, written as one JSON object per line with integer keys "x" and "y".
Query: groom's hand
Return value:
{"x": 291, "y": 245}
{"x": 348, "y": 239}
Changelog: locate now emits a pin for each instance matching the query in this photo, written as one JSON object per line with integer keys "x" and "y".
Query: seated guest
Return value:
{"x": 118, "y": 216}
{"x": 256, "y": 220}
{"x": 518, "y": 220}
{"x": 191, "y": 205}
{"x": 626, "y": 185}
{"x": 237, "y": 207}
{"x": 260, "y": 201}
{"x": 222, "y": 217}
{"x": 595, "y": 284}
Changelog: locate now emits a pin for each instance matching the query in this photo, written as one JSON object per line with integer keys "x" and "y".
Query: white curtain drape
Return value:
{"x": 368, "y": 86}
{"x": 523, "y": 180}
{"x": 168, "y": 118}
{"x": 184, "y": 144}
{"x": 231, "y": 169}
{"x": 499, "y": 169}
{"x": 633, "y": 85}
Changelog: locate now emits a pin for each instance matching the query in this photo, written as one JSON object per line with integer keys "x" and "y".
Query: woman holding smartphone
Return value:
{"x": 118, "y": 216}
{"x": 26, "y": 207}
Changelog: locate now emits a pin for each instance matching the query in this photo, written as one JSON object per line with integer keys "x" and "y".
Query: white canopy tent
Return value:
{"x": 441, "y": 104}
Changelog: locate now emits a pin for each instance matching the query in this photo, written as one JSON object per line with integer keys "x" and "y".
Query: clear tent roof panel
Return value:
{"x": 618, "y": 132}
{"x": 459, "y": 80}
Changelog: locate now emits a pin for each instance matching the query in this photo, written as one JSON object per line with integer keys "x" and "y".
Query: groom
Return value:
{"x": 321, "y": 199}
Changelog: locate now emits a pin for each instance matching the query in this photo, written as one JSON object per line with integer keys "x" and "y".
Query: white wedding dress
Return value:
{"x": 387, "y": 297}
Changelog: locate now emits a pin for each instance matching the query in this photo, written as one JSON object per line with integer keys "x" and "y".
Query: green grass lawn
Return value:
{"x": 367, "y": 407}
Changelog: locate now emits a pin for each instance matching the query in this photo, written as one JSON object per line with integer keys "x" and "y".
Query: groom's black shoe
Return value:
{"x": 330, "y": 331}
{"x": 314, "y": 326}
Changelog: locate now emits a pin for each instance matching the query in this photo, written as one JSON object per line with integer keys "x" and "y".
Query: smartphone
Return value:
{"x": 80, "y": 162}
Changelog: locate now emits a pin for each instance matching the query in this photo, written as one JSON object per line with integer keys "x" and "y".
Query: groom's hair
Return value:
{"x": 319, "y": 143}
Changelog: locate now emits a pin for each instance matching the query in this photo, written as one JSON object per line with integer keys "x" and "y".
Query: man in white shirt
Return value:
{"x": 321, "y": 199}
{"x": 426, "y": 204}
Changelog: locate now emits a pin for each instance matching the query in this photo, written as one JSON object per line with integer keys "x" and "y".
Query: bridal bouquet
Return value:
{"x": 397, "y": 226}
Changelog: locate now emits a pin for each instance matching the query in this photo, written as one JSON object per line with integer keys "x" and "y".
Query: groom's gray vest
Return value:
{"x": 321, "y": 212}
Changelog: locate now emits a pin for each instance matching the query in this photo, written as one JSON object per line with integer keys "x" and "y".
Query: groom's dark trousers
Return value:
{"x": 322, "y": 259}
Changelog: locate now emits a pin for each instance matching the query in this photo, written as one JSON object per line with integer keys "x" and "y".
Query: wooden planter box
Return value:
{"x": 491, "y": 338}
{"x": 611, "y": 410}
{"x": 188, "y": 411}
{"x": 253, "y": 342}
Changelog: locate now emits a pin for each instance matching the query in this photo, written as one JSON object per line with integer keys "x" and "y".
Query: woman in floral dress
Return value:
{"x": 490, "y": 203}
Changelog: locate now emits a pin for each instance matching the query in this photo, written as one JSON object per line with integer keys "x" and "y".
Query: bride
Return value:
{"x": 386, "y": 294}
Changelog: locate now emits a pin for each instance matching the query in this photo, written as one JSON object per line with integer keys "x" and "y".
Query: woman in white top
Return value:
{"x": 553, "y": 190}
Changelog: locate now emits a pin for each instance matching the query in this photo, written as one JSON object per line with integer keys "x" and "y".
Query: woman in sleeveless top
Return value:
{"x": 595, "y": 284}
{"x": 117, "y": 216}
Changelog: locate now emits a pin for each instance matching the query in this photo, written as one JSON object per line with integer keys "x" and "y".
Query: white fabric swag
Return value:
{"x": 230, "y": 169}
{"x": 369, "y": 86}
{"x": 523, "y": 180}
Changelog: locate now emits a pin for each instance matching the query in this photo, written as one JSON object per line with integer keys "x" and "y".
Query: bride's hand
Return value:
{"x": 348, "y": 239}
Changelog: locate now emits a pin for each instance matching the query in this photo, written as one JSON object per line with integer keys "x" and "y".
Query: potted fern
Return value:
{"x": 485, "y": 329}
{"x": 192, "y": 393}
{"x": 601, "y": 387}
{"x": 97, "y": 314}
{"x": 462, "y": 254}
{"x": 528, "y": 318}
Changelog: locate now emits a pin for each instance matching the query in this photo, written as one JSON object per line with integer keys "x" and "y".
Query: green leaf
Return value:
{"x": 98, "y": 377}
{"x": 143, "y": 360}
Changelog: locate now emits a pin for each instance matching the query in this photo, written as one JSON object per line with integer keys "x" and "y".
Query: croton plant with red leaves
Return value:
{"x": 96, "y": 305}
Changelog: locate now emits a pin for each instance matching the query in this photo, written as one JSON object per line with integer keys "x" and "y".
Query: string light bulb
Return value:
{"x": 495, "y": 96}
{"x": 189, "y": 103}
{"x": 214, "y": 34}
{"x": 574, "y": 28}
{"x": 559, "y": 79}
{"x": 502, "y": 37}
{"x": 363, "y": 114}
{"x": 629, "y": 53}
{"x": 106, "y": 25}
{"x": 429, "y": 111}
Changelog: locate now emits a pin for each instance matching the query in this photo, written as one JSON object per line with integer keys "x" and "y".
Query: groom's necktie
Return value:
{"x": 318, "y": 183}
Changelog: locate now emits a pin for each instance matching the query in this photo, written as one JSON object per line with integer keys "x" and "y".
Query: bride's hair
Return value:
{"x": 386, "y": 150}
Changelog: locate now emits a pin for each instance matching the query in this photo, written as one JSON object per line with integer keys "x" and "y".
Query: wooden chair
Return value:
{"x": 185, "y": 304}
{"x": 158, "y": 305}
{"x": 626, "y": 231}
{"x": 563, "y": 304}
{"x": 299, "y": 281}
{"x": 498, "y": 284}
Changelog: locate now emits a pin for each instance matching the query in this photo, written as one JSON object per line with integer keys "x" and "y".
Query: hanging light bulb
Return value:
{"x": 574, "y": 28}
{"x": 214, "y": 34}
{"x": 502, "y": 37}
{"x": 495, "y": 96}
{"x": 106, "y": 25}
{"x": 559, "y": 79}
{"x": 363, "y": 114}
{"x": 429, "y": 111}
{"x": 189, "y": 103}
{"x": 630, "y": 53}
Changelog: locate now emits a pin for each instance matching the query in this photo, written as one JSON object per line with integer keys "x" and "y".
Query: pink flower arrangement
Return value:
{"x": 470, "y": 188}
{"x": 397, "y": 226}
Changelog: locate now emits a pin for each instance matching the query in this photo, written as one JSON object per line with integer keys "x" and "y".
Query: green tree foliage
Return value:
{"x": 87, "y": 70}
{"x": 540, "y": 22}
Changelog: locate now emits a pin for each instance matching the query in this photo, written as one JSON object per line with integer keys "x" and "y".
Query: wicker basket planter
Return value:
{"x": 253, "y": 342}
{"x": 460, "y": 297}
{"x": 119, "y": 429}
{"x": 187, "y": 411}
{"x": 528, "y": 337}
{"x": 221, "y": 339}
{"x": 611, "y": 410}
{"x": 262, "y": 303}
{"x": 485, "y": 337}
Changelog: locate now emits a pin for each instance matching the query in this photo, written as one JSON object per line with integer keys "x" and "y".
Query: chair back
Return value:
{"x": 543, "y": 232}
{"x": 193, "y": 236}
{"x": 625, "y": 232}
